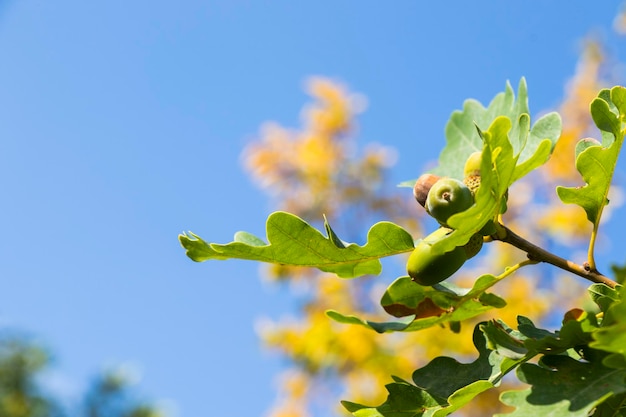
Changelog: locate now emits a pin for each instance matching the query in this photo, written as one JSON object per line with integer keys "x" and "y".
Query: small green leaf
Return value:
{"x": 563, "y": 386}
{"x": 404, "y": 297}
{"x": 541, "y": 142}
{"x": 603, "y": 295}
{"x": 508, "y": 342}
{"x": 292, "y": 241}
{"x": 603, "y": 117}
{"x": 540, "y": 157}
{"x": 585, "y": 143}
{"x": 248, "y": 239}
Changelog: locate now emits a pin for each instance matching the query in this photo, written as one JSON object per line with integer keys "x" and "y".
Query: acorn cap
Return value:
{"x": 422, "y": 187}
{"x": 472, "y": 182}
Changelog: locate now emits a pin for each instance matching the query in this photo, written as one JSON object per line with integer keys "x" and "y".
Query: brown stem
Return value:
{"x": 535, "y": 253}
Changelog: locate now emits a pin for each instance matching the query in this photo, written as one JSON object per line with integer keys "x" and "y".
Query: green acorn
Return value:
{"x": 446, "y": 197}
{"x": 474, "y": 245}
{"x": 428, "y": 269}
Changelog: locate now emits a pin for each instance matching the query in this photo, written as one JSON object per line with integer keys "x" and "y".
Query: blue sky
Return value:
{"x": 122, "y": 124}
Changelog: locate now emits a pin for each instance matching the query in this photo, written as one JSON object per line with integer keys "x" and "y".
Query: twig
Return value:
{"x": 537, "y": 254}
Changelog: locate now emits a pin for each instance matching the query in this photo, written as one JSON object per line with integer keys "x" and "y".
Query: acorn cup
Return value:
{"x": 423, "y": 186}
{"x": 471, "y": 172}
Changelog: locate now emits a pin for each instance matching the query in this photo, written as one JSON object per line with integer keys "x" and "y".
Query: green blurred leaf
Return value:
{"x": 611, "y": 337}
{"x": 292, "y": 241}
{"x": 562, "y": 386}
{"x": 613, "y": 407}
{"x": 597, "y": 163}
{"x": 619, "y": 273}
{"x": 603, "y": 295}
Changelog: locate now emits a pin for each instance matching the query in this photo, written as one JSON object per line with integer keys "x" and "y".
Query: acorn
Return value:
{"x": 428, "y": 269}
{"x": 471, "y": 171}
{"x": 474, "y": 245}
{"x": 422, "y": 186}
{"x": 446, "y": 197}
{"x": 472, "y": 164}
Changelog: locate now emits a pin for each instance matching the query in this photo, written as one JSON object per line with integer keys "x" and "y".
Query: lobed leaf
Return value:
{"x": 461, "y": 136}
{"x": 441, "y": 387}
{"x": 596, "y": 163}
{"x": 292, "y": 241}
{"x": 603, "y": 295}
{"x": 508, "y": 342}
{"x": 532, "y": 146}
{"x": 423, "y": 307}
{"x": 573, "y": 333}
{"x": 562, "y": 386}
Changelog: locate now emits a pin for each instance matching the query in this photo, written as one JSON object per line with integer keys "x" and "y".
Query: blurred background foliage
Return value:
{"x": 24, "y": 392}
{"x": 321, "y": 168}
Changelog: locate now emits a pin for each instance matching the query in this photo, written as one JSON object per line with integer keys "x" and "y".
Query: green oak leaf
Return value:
{"x": 292, "y": 241}
{"x": 562, "y": 386}
{"x": 532, "y": 146}
{"x": 611, "y": 337}
{"x": 404, "y": 400}
{"x": 619, "y": 272}
{"x": 404, "y": 298}
{"x": 573, "y": 333}
{"x": 445, "y": 302}
{"x": 441, "y": 387}
{"x": 615, "y": 406}
{"x": 596, "y": 163}
{"x": 380, "y": 327}
{"x": 508, "y": 342}
{"x": 461, "y": 136}
{"x": 603, "y": 295}
{"x": 541, "y": 142}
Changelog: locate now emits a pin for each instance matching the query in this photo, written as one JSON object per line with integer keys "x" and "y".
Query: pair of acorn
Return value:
{"x": 443, "y": 197}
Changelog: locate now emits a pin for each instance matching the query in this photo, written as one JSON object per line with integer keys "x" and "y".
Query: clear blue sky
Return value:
{"x": 121, "y": 125}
